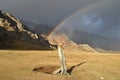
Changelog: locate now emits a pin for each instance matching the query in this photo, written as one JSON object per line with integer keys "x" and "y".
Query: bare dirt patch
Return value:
{"x": 48, "y": 69}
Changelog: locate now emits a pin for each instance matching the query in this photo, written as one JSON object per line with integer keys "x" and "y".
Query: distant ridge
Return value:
{"x": 97, "y": 41}
{"x": 38, "y": 28}
{"x": 68, "y": 44}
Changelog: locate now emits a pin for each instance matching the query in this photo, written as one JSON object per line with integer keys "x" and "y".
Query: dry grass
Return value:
{"x": 18, "y": 65}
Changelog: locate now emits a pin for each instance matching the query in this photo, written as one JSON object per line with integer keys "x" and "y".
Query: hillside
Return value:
{"x": 96, "y": 41}
{"x": 69, "y": 44}
{"x": 12, "y": 30}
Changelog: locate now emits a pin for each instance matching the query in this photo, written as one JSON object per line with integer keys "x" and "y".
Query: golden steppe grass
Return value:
{"x": 19, "y": 65}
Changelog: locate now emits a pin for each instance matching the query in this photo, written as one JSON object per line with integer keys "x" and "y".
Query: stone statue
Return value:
{"x": 63, "y": 67}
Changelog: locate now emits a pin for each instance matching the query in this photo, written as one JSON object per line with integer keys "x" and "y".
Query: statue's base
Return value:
{"x": 62, "y": 72}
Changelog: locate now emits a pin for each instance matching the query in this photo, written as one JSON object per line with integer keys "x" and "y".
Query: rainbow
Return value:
{"x": 81, "y": 10}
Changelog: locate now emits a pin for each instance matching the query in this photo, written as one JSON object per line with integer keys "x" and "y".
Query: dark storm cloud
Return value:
{"x": 110, "y": 15}
{"x": 44, "y": 11}
{"x": 102, "y": 18}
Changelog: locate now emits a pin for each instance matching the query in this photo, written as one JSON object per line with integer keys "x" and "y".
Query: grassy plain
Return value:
{"x": 19, "y": 65}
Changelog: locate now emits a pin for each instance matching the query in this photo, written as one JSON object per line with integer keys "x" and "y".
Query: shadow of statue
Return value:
{"x": 72, "y": 67}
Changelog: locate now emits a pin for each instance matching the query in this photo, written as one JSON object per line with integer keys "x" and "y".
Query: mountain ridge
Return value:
{"x": 12, "y": 30}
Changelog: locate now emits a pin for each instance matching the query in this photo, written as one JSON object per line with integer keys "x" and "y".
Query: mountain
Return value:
{"x": 13, "y": 34}
{"x": 38, "y": 28}
{"x": 97, "y": 41}
{"x": 88, "y": 40}
{"x": 69, "y": 44}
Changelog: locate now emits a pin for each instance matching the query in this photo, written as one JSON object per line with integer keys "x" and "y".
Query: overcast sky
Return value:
{"x": 102, "y": 18}
{"x": 44, "y": 11}
{"x": 98, "y": 16}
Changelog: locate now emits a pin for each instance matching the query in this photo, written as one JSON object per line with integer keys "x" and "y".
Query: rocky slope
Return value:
{"x": 68, "y": 44}
{"x": 12, "y": 30}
